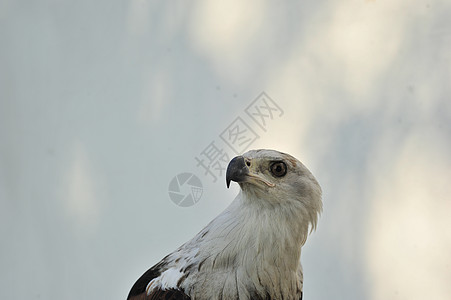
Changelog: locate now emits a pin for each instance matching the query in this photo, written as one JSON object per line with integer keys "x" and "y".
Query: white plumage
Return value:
{"x": 252, "y": 249}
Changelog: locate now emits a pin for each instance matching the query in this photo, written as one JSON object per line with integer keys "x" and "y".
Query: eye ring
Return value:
{"x": 278, "y": 168}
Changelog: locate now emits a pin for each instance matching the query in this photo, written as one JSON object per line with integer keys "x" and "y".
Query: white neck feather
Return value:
{"x": 254, "y": 244}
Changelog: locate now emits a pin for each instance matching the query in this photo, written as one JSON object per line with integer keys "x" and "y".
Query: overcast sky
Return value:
{"x": 103, "y": 103}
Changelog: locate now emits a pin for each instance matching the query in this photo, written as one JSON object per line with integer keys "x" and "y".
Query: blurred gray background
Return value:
{"x": 102, "y": 103}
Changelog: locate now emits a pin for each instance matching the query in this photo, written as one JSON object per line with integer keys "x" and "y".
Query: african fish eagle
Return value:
{"x": 252, "y": 249}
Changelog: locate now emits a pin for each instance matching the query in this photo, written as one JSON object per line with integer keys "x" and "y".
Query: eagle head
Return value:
{"x": 276, "y": 179}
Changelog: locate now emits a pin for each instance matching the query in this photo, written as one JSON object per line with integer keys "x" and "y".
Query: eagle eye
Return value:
{"x": 278, "y": 168}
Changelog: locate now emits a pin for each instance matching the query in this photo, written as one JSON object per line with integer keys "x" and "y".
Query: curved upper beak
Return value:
{"x": 236, "y": 170}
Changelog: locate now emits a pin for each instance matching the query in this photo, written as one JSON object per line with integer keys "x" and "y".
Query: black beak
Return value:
{"x": 236, "y": 170}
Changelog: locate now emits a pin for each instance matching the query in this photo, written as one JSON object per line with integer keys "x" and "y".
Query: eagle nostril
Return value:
{"x": 248, "y": 163}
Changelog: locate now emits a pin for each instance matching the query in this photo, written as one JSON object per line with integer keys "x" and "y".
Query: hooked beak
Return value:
{"x": 238, "y": 171}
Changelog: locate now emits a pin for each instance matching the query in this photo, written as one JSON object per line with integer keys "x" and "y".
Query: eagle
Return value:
{"x": 252, "y": 249}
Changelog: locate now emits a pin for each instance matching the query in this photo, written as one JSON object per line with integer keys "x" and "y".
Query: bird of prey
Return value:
{"x": 252, "y": 249}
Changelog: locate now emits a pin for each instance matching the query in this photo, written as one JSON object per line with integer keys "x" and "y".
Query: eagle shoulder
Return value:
{"x": 140, "y": 288}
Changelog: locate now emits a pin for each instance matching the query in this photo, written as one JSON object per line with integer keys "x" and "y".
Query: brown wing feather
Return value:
{"x": 170, "y": 294}
{"x": 138, "y": 291}
{"x": 139, "y": 288}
